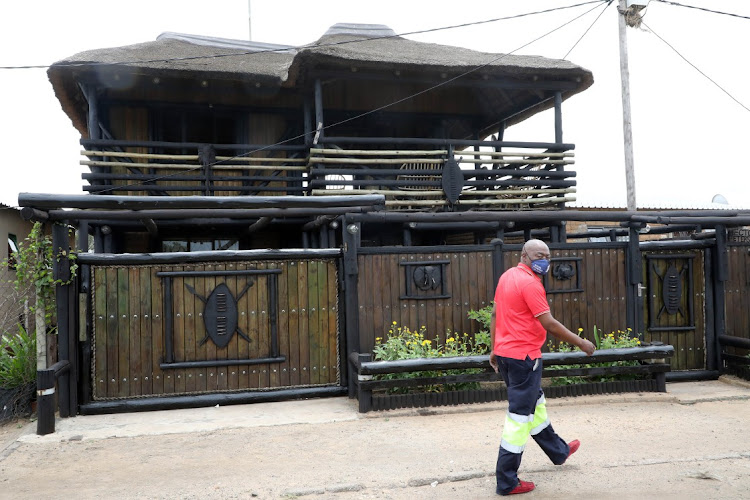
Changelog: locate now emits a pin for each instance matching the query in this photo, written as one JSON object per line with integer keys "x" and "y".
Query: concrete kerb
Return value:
{"x": 329, "y": 410}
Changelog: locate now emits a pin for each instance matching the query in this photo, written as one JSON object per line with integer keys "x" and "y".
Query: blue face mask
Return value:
{"x": 540, "y": 266}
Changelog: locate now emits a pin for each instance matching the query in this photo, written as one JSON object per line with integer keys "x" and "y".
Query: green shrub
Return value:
{"x": 17, "y": 359}
{"x": 404, "y": 343}
{"x": 606, "y": 341}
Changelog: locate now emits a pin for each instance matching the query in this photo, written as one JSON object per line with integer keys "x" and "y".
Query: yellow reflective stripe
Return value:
{"x": 515, "y": 433}
{"x": 541, "y": 421}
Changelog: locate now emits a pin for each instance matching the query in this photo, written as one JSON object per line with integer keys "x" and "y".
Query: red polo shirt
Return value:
{"x": 520, "y": 300}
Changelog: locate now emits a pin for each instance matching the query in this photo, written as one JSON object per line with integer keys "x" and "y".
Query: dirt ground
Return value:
{"x": 640, "y": 447}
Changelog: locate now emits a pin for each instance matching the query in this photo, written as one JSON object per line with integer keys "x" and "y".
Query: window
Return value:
{"x": 12, "y": 250}
{"x": 199, "y": 245}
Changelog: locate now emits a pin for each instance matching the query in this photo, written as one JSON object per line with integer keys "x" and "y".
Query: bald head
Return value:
{"x": 534, "y": 250}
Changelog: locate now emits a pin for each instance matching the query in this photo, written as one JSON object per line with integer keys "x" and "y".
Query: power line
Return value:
{"x": 702, "y": 8}
{"x": 609, "y": 2}
{"x": 695, "y": 67}
{"x": 300, "y": 47}
{"x": 366, "y": 113}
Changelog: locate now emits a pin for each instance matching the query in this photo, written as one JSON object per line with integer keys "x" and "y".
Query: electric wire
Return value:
{"x": 609, "y": 2}
{"x": 361, "y": 115}
{"x": 702, "y": 8}
{"x": 300, "y": 47}
{"x": 695, "y": 67}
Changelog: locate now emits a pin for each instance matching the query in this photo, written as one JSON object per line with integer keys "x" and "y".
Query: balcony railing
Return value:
{"x": 486, "y": 176}
{"x": 138, "y": 168}
{"x": 412, "y": 174}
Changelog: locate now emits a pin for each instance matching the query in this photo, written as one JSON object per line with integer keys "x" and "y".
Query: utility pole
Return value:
{"x": 249, "y": 21}
{"x": 626, "y": 121}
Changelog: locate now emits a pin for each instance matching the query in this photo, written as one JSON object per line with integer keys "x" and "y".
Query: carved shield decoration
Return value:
{"x": 672, "y": 290}
{"x": 220, "y": 315}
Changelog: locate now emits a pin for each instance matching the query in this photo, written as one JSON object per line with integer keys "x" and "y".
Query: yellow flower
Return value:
{"x": 580, "y": 330}
{"x": 395, "y": 323}
{"x": 450, "y": 339}
{"x": 426, "y": 342}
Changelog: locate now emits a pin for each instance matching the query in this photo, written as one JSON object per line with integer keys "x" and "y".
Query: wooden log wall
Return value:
{"x": 737, "y": 290}
{"x": 382, "y": 284}
{"x": 130, "y": 329}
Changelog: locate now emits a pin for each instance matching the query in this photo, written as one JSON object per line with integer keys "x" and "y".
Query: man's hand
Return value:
{"x": 493, "y": 361}
{"x": 587, "y": 347}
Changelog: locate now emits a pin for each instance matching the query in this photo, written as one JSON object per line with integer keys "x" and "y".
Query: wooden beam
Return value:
{"x": 45, "y": 201}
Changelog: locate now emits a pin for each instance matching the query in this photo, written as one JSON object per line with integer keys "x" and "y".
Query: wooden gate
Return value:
{"x": 213, "y": 327}
{"x": 674, "y": 310}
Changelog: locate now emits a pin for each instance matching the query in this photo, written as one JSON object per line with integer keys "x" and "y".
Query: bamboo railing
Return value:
{"x": 411, "y": 176}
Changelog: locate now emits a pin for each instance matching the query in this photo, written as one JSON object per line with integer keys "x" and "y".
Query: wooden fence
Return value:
{"x": 160, "y": 330}
{"x": 586, "y": 288}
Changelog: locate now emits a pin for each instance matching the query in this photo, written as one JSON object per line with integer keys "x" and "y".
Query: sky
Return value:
{"x": 688, "y": 133}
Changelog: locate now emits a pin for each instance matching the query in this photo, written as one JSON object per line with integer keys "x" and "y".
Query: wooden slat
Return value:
{"x": 193, "y": 328}
{"x": 123, "y": 342}
{"x": 100, "y": 382}
{"x": 190, "y": 166}
{"x": 243, "y": 347}
{"x": 378, "y": 161}
{"x": 135, "y": 364}
{"x": 503, "y": 154}
{"x": 293, "y": 313}
{"x": 333, "y": 330}
{"x": 254, "y": 325}
{"x": 155, "y": 156}
{"x": 377, "y": 152}
{"x": 521, "y": 161}
{"x": 303, "y": 325}
{"x": 157, "y": 332}
{"x": 273, "y": 370}
{"x": 283, "y": 329}
{"x": 144, "y": 325}
{"x": 313, "y": 314}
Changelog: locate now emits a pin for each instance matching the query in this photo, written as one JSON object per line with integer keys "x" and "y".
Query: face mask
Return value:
{"x": 540, "y": 266}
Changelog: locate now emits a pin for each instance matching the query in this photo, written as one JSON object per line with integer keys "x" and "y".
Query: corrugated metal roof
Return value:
{"x": 656, "y": 205}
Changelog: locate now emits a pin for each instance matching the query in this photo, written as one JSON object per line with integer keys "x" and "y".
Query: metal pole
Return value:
{"x": 626, "y": 120}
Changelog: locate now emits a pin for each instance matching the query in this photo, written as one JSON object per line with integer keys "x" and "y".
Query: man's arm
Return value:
{"x": 558, "y": 330}
{"x": 493, "y": 319}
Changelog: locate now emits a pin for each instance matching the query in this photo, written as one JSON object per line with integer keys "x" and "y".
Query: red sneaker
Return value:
{"x": 523, "y": 487}
{"x": 573, "y": 445}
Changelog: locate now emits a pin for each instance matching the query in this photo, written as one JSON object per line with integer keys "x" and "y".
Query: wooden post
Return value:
{"x": 66, "y": 339}
{"x": 350, "y": 233}
{"x": 713, "y": 358}
{"x": 634, "y": 270}
{"x": 364, "y": 396}
{"x": 558, "y": 118}
{"x": 626, "y": 120}
{"x": 721, "y": 275}
{"x": 497, "y": 260}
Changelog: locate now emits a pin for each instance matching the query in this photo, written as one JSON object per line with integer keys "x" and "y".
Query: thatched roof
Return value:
{"x": 366, "y": 48}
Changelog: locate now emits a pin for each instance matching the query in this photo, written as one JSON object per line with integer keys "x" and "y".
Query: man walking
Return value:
{"x": 519, "y": 324}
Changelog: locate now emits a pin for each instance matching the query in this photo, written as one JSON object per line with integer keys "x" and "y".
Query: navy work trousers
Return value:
{"x": 527, "y": 416}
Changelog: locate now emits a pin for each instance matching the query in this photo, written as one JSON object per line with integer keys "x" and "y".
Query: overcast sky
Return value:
{"x": 688, "y": 134}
